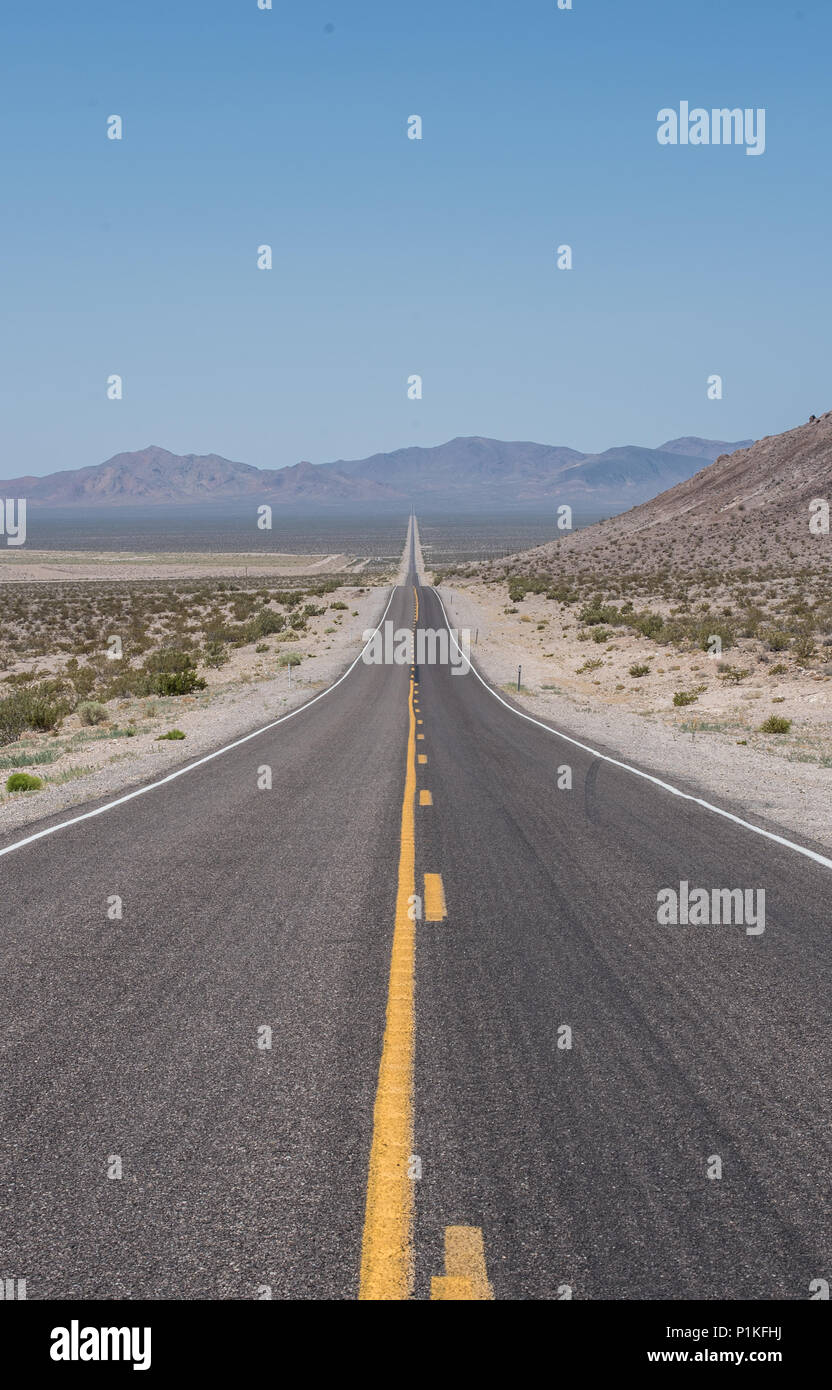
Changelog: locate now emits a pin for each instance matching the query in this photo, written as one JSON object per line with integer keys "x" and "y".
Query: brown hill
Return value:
{"x": 747, "y": 510}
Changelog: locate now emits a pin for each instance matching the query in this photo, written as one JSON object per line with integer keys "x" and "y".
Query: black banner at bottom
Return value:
{"x": 151, "y": 1338}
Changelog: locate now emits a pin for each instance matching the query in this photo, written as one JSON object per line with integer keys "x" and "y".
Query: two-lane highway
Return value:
{"x": 491, "y": 1071}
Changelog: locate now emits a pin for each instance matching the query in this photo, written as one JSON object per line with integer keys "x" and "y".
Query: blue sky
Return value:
{"x": 395, "y": 256}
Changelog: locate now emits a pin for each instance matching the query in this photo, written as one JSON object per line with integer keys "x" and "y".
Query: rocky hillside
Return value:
{"x": 746, "y": 510}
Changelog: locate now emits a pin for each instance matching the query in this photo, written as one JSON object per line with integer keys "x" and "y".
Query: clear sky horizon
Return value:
{"x": 392, "y": 256}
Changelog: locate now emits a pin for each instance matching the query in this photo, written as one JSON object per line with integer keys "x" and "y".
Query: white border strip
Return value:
{"x": 180, "y": 772}
{"x": 637, "y": 772}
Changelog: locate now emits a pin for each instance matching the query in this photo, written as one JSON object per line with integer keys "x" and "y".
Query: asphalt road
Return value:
{"x": 244, "y": 1168}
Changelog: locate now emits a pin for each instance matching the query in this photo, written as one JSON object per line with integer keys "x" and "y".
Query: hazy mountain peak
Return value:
{"x": 468, "y": 472}
{"x": 691, "y": 446}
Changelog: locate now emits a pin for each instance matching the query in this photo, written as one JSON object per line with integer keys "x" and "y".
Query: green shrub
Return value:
{"x": 648, "y": 624}
{"x": 596, "y": 612}
{"x": 777, "y": 641}
{"x": 338, "y": 605}
{"x": 215, "y": 654}
{"x": 751, "y": 621}
{"x": 639, "y": 670}
{"x": 169, "y": 660}
{"x": 804, "y": 648}
{"x": 171, "y": 733}
{"x": 519, "y": 586}
{"x": 288, "y": 659}
{"x": 90, "y": 712}
{"x": 601, "y": 635}
{"x": 23, "y": 782}
{"x": 776, "y": 724}
{"x": 685, "y": 697}
{"x": 706, "y": 631}
{"x": 40, "y": 707}
{"x": 266, "y": 622}
{"x": 177, "y": 683}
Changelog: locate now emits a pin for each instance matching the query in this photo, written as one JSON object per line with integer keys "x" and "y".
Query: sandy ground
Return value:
{"x": 713, "y": 744}
{"x": 50, "y": 565}
{"x": 244, "y": 694}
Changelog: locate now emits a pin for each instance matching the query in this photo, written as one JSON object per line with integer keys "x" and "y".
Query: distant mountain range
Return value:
{"x": 464, "y": 474}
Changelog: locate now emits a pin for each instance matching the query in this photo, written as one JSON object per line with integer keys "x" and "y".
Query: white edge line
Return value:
{"x": 636, "y": 771}
{"x": 180, "y": 772}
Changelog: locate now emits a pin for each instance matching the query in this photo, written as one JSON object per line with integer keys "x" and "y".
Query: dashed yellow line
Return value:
{"x": 435, "y": 910}
{"x": 465, "y": 1276}
{"x": 386, "y": 1248}
{"x": 387, "y": 1242}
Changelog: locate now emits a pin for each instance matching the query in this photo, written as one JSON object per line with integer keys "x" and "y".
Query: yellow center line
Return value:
{"x": 465, "y": 1276}
{"x": 387, "y": 1244}
{"x": 435, "y": 909}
